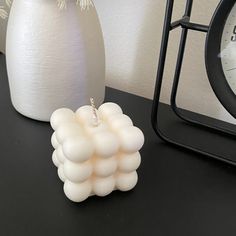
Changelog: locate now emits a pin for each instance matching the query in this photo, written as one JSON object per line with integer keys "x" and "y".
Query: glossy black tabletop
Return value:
{"x": 179, "y": 193}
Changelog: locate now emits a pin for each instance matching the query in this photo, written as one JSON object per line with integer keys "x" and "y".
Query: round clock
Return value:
{"x": 220, "y": 54}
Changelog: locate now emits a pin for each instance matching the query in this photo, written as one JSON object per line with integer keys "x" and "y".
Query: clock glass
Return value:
{"x": 228, "y": 49}
{"x": 220, "y": 54}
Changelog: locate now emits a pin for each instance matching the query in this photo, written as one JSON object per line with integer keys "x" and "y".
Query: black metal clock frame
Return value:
{"x": 186, "y": 25}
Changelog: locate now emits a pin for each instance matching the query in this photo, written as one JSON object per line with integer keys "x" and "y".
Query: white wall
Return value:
{"x": 132, "y": 31}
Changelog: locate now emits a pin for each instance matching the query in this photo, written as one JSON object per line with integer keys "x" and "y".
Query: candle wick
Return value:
{"x": 95, "y": 115}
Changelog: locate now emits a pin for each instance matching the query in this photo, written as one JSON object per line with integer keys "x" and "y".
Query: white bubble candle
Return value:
{"x": 96, "y": 151}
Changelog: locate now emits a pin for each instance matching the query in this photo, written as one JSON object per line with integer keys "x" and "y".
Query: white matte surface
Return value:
{"x": 126, "y": 181}
{"x": 54, "y": 141}
{"x": 77, "y": 172}
{"x": 119, "y": 121}
{"x": 78, "y": 149}
{"x": 129, "y": 162}
{"x": 108, "y": 109}
{"x": 95, "y": 161}
{"x": 106, "y": 144}
{"x": 131, "y": 139}
{"x": 103, "y": 186}
{"x": 61, "y": 174}
{"x": 105, "y": 167}
{"x": 61, "y": 116}
{"x": 55, "y": 160}
{"x": 77, "y": 192}
{"x": 68, "y": 130}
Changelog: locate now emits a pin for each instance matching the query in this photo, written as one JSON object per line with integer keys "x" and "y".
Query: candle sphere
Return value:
{"x": 119, "y": 121}
{"x": 131, "y": 139}
{"x": 85, "y": 115}
{"x": 77, "y": 192}
{"x": 55, "y": 160}
{"x": 105, "y": 167}
{"x": 68, "y": 130}
{"x": 108, "y": 109}
{"x": 61, "y": 174}
{"x": 126, "y": 181}
{"x": 106, "y": 144}
{"x": 78, "y": 149}
{"x": 61, "y": 116}
{"x": 129, "y": 162}
{"x": 54, "y": 141}
{"x": 96, "y": 151}
{"x": 103, "y": 186}
{"x": 92, "y": 129}
{"x": 77, "y": 172}
{"x": 60, "y": 155}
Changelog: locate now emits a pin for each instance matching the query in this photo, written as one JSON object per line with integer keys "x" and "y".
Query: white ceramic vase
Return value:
{"x": 55, "y": 58}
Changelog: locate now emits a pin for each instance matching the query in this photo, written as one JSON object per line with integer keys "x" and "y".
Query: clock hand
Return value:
{"x": 232, "y": 69}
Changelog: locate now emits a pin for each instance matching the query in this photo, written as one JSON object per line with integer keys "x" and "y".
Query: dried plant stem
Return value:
{"x": 8, "y": 2}
{"x": 84, "y": 5}
{"x": 3, "y": 13}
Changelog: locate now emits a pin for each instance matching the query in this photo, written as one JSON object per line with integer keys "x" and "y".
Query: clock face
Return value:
{"x": 220, "y": 54}
{"x": 228, "y": 49}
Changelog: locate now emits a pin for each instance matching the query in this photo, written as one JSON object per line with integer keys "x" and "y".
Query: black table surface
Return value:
{"x": 178, "y": 193}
